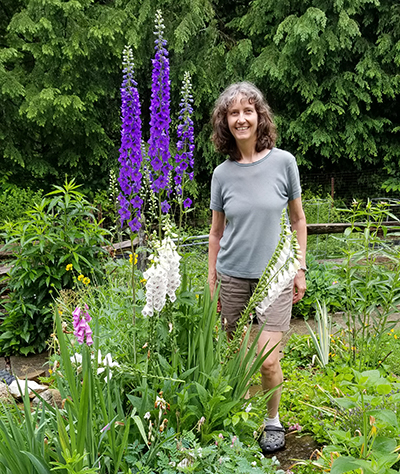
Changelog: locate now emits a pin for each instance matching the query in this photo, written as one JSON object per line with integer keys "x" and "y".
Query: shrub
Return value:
{"x": 53, "y": 237}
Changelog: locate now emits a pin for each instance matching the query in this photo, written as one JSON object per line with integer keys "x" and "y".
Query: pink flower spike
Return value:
{"x": 82, "y": 329}
{"x": 106, "y": 428}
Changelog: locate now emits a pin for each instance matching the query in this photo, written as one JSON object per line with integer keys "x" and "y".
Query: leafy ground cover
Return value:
{"x": 165, "y": 394}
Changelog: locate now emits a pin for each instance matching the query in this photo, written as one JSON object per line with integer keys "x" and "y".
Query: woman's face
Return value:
{"x": 242, "y": 120}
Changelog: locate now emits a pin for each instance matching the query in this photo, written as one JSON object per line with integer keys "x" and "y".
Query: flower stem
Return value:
{"x": 133, "y": 299}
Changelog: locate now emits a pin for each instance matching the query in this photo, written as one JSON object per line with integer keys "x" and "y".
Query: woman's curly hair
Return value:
{"x": 223, "y": 139}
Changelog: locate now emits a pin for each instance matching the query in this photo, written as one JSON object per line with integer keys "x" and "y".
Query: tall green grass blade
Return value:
{"x": 67, "y": 365}
{"x": 40, "y": 466}
{"x": 83, "y": 415}
{"x": 122, "y": 445}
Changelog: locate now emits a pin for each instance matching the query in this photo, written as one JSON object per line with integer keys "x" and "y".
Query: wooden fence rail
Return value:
{"x": 316, "y": 229}
{"x": 312, "y": 229}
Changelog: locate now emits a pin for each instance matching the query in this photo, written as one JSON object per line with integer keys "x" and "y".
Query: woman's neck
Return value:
{"x": 249, "y": 154}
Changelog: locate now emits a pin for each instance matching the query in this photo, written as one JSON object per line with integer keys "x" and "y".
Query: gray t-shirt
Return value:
{"x": 252, "y": 196}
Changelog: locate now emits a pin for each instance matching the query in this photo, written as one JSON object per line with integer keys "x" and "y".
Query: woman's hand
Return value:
{"x": 299, "y": 286}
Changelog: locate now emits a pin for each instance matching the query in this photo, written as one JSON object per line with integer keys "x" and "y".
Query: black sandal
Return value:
{"x": 272, "y": 439}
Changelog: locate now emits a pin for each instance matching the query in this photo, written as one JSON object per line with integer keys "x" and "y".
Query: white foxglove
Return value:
{"x": 283, "y": 272}
{"x": 162, "y": 277}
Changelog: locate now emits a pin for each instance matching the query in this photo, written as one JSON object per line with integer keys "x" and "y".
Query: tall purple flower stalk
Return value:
{"x": 160, "y": 119}
{"x": 185, "y": 145}
{"x": 81, "y": 327}
{"x": 130, "y": 158}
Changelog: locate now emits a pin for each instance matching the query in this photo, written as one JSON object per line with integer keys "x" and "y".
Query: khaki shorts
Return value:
{"x": 234, "y": 295}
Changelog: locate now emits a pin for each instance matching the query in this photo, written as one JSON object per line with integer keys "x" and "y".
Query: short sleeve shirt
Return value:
{"x": 252, "y": 196}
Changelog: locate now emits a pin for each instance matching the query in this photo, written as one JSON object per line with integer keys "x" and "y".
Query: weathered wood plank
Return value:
{"x": 122, "y": 245}
{"x": 314, "y": 229}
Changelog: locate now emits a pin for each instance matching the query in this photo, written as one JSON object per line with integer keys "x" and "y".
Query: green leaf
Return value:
{"x": 344, "y": 464}
{"x": 235, "y": 419}
{"x": 140, "y": 426}
{"x": 387, "y": 416}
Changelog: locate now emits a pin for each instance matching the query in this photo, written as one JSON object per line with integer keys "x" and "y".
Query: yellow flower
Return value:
{"x": 69, "y": 267}
{"x": 86, "y": 280}
{"x": 50, "y": 371}
{"x": 131, "y": 259}
{"x": 143, "y": 281}
{"x": 81, "y": 277}
{"x": 395, "y": 336}
{"x": 60, "y": 312}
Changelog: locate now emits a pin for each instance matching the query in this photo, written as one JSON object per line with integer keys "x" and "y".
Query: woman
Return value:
{"x": 248, "y": 194}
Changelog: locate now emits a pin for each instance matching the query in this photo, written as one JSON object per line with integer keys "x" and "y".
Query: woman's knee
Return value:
{"x": 270, "y": 366}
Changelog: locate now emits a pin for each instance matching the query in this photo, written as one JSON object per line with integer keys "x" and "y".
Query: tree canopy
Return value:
{"x": 330, "y": 71}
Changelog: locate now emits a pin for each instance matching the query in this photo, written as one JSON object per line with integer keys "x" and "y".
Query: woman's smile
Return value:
{"x": 242, "y": 119}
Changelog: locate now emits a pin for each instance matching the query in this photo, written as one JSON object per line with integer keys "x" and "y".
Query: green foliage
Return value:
{"x": 322, "y": 337}
{"x": 370, "y": 274}
{"x": 60, "y": 79}
{"x": 389, "y": 352}
{"x": 322, "y": 285}
{"x": 320, "y": 210}
{"x": 299, "y": 349}
{"x": 330, "y": 71}
{"x": 371, "y": 401}
{"x": 391, "y": 184}
{"x": 14, "y": 201}
{"x": 58, "y": 76}
{"x": 53, "y": 236}
{"x": 304, "y": 396}
{"x": 22, "y": 435}
{"x": 185, "y": 454}
{"x": 94, "y": 426}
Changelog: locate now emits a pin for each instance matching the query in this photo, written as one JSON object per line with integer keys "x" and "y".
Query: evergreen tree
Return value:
{"x": 331, "y": 73}
{"x": 329, "y": 69}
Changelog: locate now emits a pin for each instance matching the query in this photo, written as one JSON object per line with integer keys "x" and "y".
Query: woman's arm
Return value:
{"x": 216, "y": 231}
{"x": 299, "y": 224}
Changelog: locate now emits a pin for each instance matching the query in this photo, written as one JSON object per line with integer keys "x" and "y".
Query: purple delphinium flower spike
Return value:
{"x": 130, "y": 158}
{"x": 81, "y": 327}
{"x": 185, "y": 145}
{"x": 160, "y": 119}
